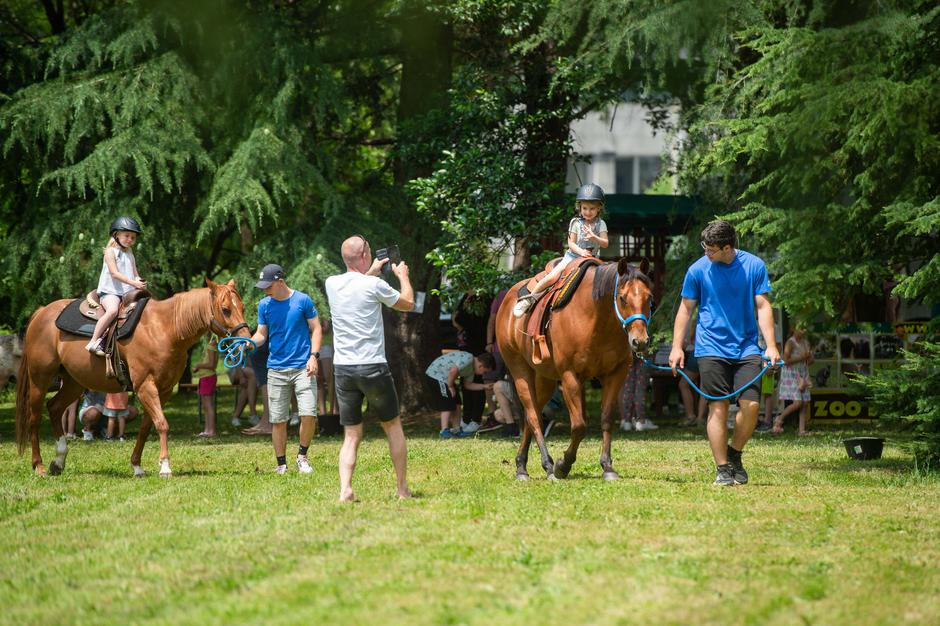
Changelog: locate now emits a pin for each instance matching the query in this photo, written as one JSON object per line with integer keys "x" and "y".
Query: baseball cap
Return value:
{"x": 269, "y": 274}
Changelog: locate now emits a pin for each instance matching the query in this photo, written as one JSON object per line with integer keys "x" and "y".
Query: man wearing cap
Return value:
{"x": 288, "y": 321}
{"x": 360, "y": 370}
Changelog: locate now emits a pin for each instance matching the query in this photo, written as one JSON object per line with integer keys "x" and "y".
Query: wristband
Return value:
{"x": 315, "y": 355}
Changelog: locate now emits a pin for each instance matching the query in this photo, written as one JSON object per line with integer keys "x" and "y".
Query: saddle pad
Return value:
{"x": 571, "y": 283}
{"x": 70, "y": 320}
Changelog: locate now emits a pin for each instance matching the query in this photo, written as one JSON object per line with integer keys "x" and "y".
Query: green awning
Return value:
{"x": 626, "y": 211}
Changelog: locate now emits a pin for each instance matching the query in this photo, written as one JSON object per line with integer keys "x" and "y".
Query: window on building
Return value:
{"x": 649, "y": 171}
{"x": 624, "y": 176}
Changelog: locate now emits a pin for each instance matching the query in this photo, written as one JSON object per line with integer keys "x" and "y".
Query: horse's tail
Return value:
{"x": 23, "y": 384}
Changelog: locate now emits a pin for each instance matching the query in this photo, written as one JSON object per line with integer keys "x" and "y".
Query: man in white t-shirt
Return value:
{"x": 359, "y": 364}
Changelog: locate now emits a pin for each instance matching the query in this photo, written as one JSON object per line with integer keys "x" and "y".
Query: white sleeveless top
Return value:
{"x": 107, "y": 284}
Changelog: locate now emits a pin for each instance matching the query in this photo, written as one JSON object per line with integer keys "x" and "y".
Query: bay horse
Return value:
{"x": 594, "y": 336}
{"x": 156, "y": 357}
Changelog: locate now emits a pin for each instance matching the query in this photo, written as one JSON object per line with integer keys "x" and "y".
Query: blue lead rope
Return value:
{"x": 666, "y": 368}
{"x": 234, "y": 349}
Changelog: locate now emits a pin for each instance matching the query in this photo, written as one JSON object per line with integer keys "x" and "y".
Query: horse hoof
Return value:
{"x": 138, "y": 471}
{"x": 55, "y": 469}
{"x": 40, "y": 470}
{"x": 560, "y": 470}
{"x": 552, "y": 478}
{"x": 522, "y": 477}
{"x": 611, "y": 475}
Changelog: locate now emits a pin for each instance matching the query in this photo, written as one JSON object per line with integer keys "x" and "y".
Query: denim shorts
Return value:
{"x": 373, "y": 383}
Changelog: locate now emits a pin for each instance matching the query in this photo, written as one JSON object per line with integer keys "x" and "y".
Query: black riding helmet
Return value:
{"x": 125, "y": 223}
{"x": 590, "y": 192}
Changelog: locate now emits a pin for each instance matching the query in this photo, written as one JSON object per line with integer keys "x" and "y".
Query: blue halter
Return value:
{"x": 636, "y": 316}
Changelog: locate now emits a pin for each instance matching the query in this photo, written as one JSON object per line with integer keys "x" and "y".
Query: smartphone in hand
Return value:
{"x": 392, "y": 254}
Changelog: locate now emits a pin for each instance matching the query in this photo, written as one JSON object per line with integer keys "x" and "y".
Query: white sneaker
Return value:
{"x": 626, "y": 425}
{"x": 280, "y": 469}
{"x": 303, "y": 465}
{"x": 236, "y": 422}
{"x": 87, "y": 435}
{"x": 470, "y": 428}
{"x": 294, "y": 419}
{"x": 646, "y": 425}
{"x": 253, "y": 420}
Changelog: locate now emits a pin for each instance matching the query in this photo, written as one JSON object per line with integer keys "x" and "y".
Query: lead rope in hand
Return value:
{"x": 234, "y": 349}
{"x": 666, "y": 368}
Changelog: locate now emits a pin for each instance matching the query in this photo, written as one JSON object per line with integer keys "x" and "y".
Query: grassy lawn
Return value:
{"x": 815, "y": 538}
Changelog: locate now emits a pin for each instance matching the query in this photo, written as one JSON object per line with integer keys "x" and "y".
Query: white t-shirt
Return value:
{"x": 125, "y": 265}
{"x": 356, "y": 310}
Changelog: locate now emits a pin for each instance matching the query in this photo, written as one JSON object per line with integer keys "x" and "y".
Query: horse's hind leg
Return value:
{"x": 69, "y": 392}
{"x": 36, "y": 396}
{"x": 609, "y": 405}
{"x": 574, "y": 396}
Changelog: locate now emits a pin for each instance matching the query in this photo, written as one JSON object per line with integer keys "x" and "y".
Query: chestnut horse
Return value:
{"x": 155, "y": 354}
{"x": 593, "y": 336}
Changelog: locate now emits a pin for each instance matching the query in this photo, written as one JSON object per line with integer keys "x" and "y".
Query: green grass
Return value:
{"x": 815, "y": 538}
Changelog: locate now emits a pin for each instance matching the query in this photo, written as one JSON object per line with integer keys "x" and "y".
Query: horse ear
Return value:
{"x": 209, "y": 283}
{"x": 231, "y": 284}
{"x": 623, "y": 267}
{"x": 645, "y": 266}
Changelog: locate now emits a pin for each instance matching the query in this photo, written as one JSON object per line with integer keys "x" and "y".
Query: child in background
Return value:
{"x": 205, "y": 388}
{"x": 442, "y": 377}
{"x": 118, "y": 412}
{"x": 586, "y": 234}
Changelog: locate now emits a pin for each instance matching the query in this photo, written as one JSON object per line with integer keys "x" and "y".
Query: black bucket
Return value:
{"x": 864, "y": 448}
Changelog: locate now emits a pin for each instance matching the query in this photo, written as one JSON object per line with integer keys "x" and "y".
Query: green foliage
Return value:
{"x": 822, "y": 141}
{"x": 220, "y": 127}
{"x": 910, "y": 394}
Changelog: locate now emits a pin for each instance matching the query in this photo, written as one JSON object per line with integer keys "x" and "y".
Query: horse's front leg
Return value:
{"x": 609, "y": 409}
{"x": 150, "y": 399}
{"x": 573, "y": 391}
{"x": 531, "y": 390}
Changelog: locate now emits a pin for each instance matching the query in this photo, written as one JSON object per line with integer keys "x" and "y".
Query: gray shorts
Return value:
{"x": 282, "y": 385}
{"x": 373, "y": 382}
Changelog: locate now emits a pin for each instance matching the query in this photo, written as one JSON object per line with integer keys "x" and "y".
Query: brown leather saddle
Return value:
{"x": 81, "y": 315}
{"x": 558, "y": 295}
{"x": 91, "y": 307}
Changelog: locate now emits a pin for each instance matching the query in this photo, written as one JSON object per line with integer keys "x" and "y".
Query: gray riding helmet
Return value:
{"x": 590, "y": 192}
{"x": 125, "y": 223}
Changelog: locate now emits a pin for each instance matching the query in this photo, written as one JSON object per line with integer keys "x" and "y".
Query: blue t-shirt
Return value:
{"x": 727, "y": 321}
{"x": 288, "y": 333}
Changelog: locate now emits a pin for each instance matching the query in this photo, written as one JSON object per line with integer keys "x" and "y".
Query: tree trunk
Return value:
{"x": 413, "y": 339}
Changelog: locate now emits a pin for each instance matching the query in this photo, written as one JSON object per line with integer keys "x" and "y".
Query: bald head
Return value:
{"x": 355, "y": 251}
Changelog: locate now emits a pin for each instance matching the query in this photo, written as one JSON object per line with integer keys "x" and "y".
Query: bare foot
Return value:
{"x": 348, "y": 496}
{"x": 251, "y": 432}
{"x": 206, "y": 434}
{"x": 405, "y": 494}
{"x": 805, "y": 433}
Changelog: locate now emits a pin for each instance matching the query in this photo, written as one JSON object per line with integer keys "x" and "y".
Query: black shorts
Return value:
{"x": 722, "y": 376}
{"x": 373, "y": 383}
{"x": 440, "y": 396}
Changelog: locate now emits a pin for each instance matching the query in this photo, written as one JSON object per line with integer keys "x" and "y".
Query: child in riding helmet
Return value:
{"x": 118, "y": 276}
{"x": 586, "y": 234}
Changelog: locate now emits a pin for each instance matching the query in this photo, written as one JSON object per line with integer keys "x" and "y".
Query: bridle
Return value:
{"x": 624, "y": 322}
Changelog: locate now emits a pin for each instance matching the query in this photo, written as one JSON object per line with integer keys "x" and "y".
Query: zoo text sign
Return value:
{"x": 838, "y": 405}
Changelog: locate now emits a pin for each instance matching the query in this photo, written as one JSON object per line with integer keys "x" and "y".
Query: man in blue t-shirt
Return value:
{"x": 288, "y": 322}
{"x": 731, "y": 288}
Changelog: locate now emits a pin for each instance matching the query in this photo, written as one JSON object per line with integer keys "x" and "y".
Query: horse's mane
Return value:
{"x": 605, "y": 276}
{"x": 192, "y": 311}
